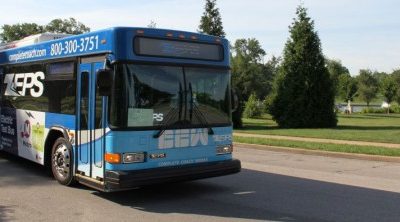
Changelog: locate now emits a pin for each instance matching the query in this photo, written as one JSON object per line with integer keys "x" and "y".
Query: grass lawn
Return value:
{"x": 344, "y": 148}
{"x": 361, "y": 127}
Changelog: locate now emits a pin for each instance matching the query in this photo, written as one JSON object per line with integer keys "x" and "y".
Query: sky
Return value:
{"x": 362, "y": 34}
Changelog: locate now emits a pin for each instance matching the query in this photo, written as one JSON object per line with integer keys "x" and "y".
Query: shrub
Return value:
{"x": 252, "y": 107}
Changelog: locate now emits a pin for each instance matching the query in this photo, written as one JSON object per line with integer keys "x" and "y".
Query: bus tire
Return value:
{"x": 62, "y": 162}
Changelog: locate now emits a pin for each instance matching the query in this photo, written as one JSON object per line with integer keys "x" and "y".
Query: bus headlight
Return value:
{"x": 133, "y": 157}
{"x": 224, "y": 149}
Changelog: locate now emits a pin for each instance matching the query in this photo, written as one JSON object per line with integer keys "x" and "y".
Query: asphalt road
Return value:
{"x": 272, "y": 186}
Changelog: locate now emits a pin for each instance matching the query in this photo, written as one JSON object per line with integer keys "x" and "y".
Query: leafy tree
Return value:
{"x": 211, "y": 22}
{"x": 305, "y": 94}
{"x": 379, "y": 76}
{"x": 152, "y": 24}
{"x": 396, "y": 78}
{"x": 336, "y": 69}
{"x": 67, "y": 26}
{"x": 252, "y": 109}
{"x": 367, "y": 86}
{"x": 18, "y": 31}
{"x": 249, "y": 75}
{"x": 388, "y": 88}
{"x": 347, "y": 87}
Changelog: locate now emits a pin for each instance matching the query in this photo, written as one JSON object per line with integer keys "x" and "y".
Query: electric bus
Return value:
{"x": 120, "y": 108}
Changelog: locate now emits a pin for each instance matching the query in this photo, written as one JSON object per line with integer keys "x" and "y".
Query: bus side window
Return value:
{"x": 84, "y": 100}
{"x": 98, "y": 111}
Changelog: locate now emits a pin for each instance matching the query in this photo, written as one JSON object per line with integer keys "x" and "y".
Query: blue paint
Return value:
{"x": 143, "y": 141}
{"x": 55, "y": 119}
{"x": 117, "y": 41}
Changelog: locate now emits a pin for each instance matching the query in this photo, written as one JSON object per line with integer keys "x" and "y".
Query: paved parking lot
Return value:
{"x": 273, "y": 186}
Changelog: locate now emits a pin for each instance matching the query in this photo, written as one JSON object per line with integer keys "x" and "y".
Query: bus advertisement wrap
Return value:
{"x": 8, "y": 130}
{"x": 23, "y": 133}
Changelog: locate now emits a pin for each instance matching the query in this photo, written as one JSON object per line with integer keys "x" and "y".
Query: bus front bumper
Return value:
{"x": 123, "y": 180}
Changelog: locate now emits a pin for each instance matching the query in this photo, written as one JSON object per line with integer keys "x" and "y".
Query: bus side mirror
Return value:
{"x": 235, "y": 100}
{"x": 104, "y": 82}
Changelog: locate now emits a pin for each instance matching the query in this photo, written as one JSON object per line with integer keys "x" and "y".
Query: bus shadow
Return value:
{"x": 248, "y": 195}
{"x": 17, "y": 171}
{"x": 263, "y": 196}
{"x": 6, "y": 213}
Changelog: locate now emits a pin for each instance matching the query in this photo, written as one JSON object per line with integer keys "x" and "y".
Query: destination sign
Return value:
{"x": 177, "y": 49}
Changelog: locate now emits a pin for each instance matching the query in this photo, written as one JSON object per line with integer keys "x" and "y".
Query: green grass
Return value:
{"x": 371, "y": 150}
{"x": 360, "y": 127}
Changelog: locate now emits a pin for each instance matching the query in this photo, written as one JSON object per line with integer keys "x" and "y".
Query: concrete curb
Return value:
{"x": 319, "y": 140}
{"x": 320, "y": 153}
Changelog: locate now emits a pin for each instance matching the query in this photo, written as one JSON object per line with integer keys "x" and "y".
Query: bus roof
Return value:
{"x": 117, "y": 41}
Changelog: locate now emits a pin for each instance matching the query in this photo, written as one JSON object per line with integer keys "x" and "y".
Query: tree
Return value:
{"x": 249, "y": 75}
{"x": 305, "y": 94}
{"x": 336, "y": 69}
{"x": 367, "y": 86}
{"x": 388, "y": 89}
{"x": 152, "y": 24}
{"x": 211, "y": 22}
{"x": 67, "y": 26}
{"x": 252, "y": 109}
{"x": 396, "y": 77}
{"x": 19, "y": 31}
{"x": 347, "y": 89}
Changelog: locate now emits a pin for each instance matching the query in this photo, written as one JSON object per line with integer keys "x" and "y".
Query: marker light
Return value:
{"x": 170, "y": 35}
{"x": 224, "y": 149}
{"x": 140, "y": 32}
{"x": 193, "y": 37}
{"x": 181, "y": 36}
{"x": 133, "y": 157}
{"x": 113, "y": 158}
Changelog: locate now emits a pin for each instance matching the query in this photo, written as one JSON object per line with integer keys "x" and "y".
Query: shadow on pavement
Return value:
{"x": 264, "y": 196}
{"x": 248, "y": 195}
{"x": 17, "y": 171}
{"x": 5, "y": 213}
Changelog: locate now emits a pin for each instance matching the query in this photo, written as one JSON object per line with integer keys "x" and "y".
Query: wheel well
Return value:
{"x": 48, "y": 145}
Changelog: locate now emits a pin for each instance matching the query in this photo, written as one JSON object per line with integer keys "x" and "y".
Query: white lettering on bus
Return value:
{"x": 18, "y": 84}
{"x": 183, "y": 138}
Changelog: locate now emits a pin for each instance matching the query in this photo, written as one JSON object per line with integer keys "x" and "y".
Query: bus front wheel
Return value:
{"x": 62, "y": 162}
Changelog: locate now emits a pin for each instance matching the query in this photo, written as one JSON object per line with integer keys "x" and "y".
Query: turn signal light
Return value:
{"x": 113, "y": 158}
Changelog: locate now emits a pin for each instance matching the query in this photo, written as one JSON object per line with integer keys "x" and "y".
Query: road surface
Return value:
{"x": 272, "y": 186}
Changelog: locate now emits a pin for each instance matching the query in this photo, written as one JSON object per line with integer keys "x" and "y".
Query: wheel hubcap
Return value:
{"x": 61, "y": 161}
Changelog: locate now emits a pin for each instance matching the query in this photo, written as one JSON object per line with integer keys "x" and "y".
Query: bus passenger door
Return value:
{"x": 91, "y": 129}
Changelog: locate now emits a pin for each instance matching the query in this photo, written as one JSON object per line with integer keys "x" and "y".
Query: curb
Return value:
{"x": 320, "y": 153}
{"x": 319, "y": 140}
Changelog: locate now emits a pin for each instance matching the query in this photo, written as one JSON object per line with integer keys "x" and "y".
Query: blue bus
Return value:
{"x": 120, "y": 108}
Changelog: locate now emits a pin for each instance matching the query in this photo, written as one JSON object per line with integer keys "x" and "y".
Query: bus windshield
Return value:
{"x": 152, "y": 96}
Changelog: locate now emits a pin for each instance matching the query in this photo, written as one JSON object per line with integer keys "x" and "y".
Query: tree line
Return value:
{"x": 300, "y": 88}
{"x": 21, "y": 30}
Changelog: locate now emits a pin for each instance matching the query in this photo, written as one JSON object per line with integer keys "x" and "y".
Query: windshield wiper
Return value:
{"x": 194, "y": 109}
{"x": 171, "y": 115}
